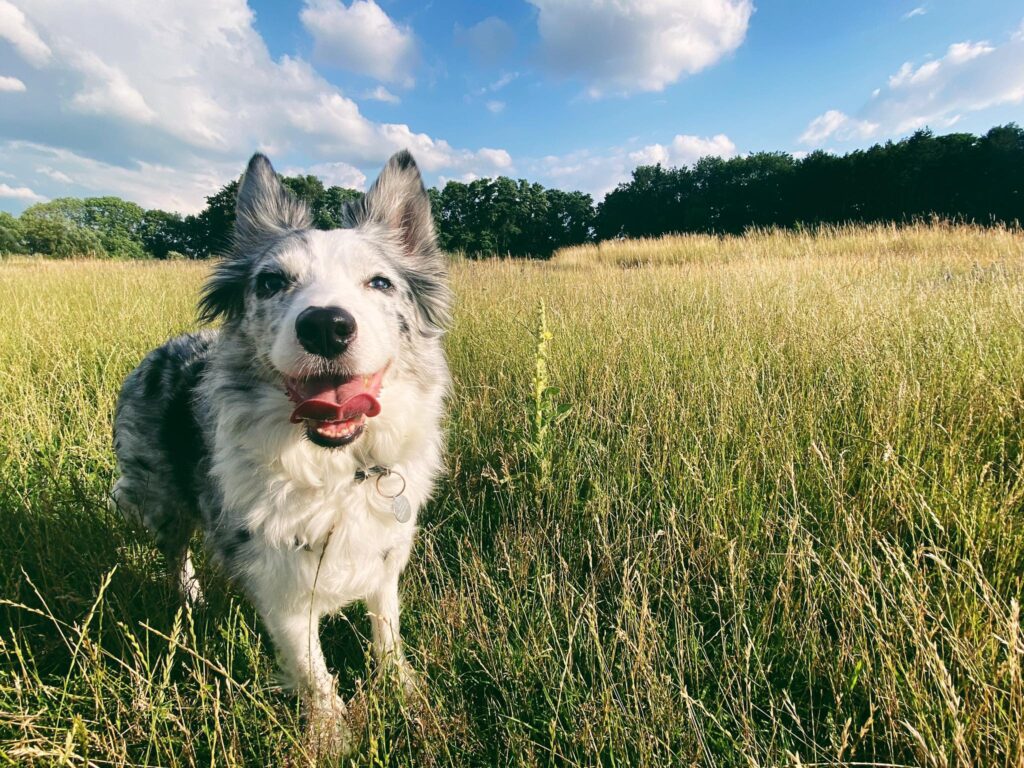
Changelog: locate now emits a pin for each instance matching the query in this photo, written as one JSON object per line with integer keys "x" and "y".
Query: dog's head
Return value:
{"x": 330, "y": 316}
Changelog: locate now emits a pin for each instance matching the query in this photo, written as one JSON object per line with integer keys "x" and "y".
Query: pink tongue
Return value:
{"x": 363, "y": 404}
{"x": 325, "y": 400}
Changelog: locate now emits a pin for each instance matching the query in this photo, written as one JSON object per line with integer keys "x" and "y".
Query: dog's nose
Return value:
{"x": 325, "y": 331}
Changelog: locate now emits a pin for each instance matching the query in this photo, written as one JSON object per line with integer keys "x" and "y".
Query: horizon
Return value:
{"x": 163, "y": 107}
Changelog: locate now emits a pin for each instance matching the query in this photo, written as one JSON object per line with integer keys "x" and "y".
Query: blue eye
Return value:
{"x": 380, "y": 283}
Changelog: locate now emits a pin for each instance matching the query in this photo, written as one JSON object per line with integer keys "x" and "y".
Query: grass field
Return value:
{"x": 764, "y": 507}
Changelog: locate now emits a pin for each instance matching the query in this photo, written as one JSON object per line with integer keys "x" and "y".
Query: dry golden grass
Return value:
{"x": 780, "y": 525}
{"x": 876, "y": 241}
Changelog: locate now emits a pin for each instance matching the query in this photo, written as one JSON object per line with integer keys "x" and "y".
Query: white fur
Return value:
{"x": 297, "y": 498}
{"x": 309, "y": 538}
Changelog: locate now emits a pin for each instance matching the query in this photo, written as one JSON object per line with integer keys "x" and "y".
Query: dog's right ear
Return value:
{"x": 264, "y": 212}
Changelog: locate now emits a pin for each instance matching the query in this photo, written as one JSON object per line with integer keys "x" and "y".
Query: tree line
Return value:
{"x": 956, "y": 176}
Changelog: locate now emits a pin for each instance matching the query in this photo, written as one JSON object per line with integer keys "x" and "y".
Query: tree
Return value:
{"x": 47, "y": 229}
{"x": 10, "y": 234}
{"x": 504, "y": 216}
{"x": 164, "y": 233}
{"x": 209, "y": 233}
{"x": 956, "y": 176}
{"x": 117, "y": 223}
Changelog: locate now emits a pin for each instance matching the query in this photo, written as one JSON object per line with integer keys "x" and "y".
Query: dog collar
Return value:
{"x": 400, "y": 506}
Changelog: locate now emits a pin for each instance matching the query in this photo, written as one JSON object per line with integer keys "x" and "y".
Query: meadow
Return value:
{"x": 754, "y": 501}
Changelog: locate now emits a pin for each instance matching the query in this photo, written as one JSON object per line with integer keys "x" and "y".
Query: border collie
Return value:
{"x": 302, "y": 436}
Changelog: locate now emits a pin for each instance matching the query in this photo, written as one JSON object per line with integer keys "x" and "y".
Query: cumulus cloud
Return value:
{"x": 333, "y": 174}
{"x": 494, "y": 106}
{"x": 11, "y": 85}
{"x": 106, "y": 90}
{"x": 970, "y": 77}
{"x": 489, "y": 41}
{"x": 625, "y": 46}
{"x": 166, "y": 106}
{"x": 684, "y": 150}
{"x": 599, "y": 172}
{"x": 362, "y": 38}
{"x": 17, "y": 30}
{"x": 20, "y": 193}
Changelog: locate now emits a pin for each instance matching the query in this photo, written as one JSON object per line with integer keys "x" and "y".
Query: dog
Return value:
{"x": 304, "y": 435}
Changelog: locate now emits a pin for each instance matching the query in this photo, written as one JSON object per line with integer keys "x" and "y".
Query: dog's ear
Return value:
{"x": 264, "y": 211}
{"x": 399, "y": 201}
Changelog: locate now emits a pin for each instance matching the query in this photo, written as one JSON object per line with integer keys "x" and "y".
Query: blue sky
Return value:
{"x": 162, "y": 102}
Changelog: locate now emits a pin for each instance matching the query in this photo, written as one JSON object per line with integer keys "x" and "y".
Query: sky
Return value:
{"x": 163, "y": 101}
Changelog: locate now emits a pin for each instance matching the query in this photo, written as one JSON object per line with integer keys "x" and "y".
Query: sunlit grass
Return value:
{"x": 782, "y": 523}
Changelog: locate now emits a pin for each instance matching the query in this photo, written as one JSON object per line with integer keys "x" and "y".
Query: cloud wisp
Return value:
{"x": 971, "y": 76}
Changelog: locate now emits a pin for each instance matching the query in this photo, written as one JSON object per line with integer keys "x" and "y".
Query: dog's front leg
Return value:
{"x": 383, "y": 608}
{"x": 296, "y": 637}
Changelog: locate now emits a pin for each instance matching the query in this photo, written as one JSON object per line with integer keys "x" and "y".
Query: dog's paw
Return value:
{"x": 413, "y": 686}
{"x": 328, "y": 733}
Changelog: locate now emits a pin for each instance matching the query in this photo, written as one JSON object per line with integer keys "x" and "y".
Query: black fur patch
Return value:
{"x": 179, "y": 433}
{"x": 224, "y": 292}
{"x": 233, "y": 541}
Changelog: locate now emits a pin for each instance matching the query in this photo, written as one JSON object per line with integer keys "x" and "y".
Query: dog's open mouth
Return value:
{"x": 335, "y": 408}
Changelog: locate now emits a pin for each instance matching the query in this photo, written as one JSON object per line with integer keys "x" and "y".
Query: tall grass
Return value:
{"x": 782, "y": 523}
{"x": 876, "y": 240}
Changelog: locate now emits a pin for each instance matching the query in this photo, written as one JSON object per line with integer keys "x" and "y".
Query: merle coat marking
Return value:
{"x": 203, "y": 432}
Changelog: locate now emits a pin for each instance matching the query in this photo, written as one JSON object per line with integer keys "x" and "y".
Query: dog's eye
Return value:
{"x": 380, "y": 283}
{"x": 269, "y": 283}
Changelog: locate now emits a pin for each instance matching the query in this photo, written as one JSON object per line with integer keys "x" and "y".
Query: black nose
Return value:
{"x": 325, "y": 331}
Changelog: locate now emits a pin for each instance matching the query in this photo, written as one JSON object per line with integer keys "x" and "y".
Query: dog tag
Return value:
{"x": 402, "y": 509}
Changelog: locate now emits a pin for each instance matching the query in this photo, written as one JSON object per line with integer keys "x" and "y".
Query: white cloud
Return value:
{"x": 970, "y": 77}
{"x": 465, "y": 178}
{"x": 625, "y": 46}
{"x": 961, "y": 52}
{"x": 684, "y": 150}
{"x": 17, "y": 30}
{"x": 490, "y": 40}
{"x": 914, "y": 12}
{"x": 107, "y": 91}
{"x": 180, "y": 96}
{"x": 493, "y": 105}
{"x": 599, "y": 172}
{"x": 11, "y": 85}
{"x": 151, "y": 185}
{"x": 498, "y": 84}
{"x": 908, "y": 75}
{"x": 54, "y": 174}
{"x": 333, "y": 174}
{"x": 20, "y": 193}
{"x": 380, "y": 93}
{"x": 362, "y": 38}
{"x": 838, "y": 125}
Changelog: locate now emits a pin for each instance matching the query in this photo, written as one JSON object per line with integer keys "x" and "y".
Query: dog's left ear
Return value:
{"x": 399, "y": 201}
